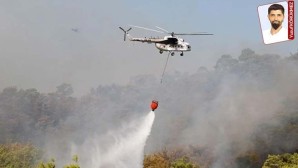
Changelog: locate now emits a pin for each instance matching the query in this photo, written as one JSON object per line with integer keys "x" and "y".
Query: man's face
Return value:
{"x": 276, "y": 18}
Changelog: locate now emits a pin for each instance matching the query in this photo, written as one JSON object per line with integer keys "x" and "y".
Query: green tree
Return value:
{"x": 175, "y": 158}
{"x": 247, "y": 54}
{"x": 183, "y": 162}
{"x": 18, "y": 155}
{"x": 75, "y": 159}
{"x": 282, "y": 161}
{"x": 50, "y": 164}
{"x": 64, "y": 90}
{"x": 226, "y": 62}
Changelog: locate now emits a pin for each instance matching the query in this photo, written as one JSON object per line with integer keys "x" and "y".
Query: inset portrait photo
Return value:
{"x": 274, "y": 22}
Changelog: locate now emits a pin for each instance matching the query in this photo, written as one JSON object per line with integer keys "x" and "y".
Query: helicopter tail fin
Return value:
{"x": 125, "y": 32}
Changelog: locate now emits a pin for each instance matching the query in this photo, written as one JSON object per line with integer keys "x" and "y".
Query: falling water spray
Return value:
{"x": 126, "y": 149}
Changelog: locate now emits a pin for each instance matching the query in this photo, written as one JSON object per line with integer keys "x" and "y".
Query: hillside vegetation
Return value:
{"x": 242, "y": 113}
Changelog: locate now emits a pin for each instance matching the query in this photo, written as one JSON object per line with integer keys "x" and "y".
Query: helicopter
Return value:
{"x": 171, "y": 43}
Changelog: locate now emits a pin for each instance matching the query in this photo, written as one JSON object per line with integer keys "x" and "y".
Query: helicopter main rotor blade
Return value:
{"x": 162, "y": 29}
{"x": 146, "y": 28}
{"x": 193, "y": 34}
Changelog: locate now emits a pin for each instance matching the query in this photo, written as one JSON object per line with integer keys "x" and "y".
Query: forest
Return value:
{"x": 243, "y": 113}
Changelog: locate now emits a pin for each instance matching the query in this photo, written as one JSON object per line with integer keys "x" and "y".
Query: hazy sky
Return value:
{"x": 39, "y": 49}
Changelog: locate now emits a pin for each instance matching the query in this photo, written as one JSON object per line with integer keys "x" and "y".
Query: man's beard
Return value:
{"x": 275, "y": 24}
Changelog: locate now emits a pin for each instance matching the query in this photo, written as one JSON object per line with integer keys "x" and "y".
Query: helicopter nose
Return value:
{"x": 188, "y": 47}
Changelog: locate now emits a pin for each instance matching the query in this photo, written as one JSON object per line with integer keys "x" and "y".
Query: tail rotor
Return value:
{"x": 125, "y": 32}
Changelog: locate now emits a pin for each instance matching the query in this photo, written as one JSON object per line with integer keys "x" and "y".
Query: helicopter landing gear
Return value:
{"x": 160, "y": 51}
{"x": 181, "y": 54}
{"x": 172, "y": 53}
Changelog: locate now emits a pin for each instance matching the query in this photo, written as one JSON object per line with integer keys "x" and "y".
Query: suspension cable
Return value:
{"x": 165, "y": 68}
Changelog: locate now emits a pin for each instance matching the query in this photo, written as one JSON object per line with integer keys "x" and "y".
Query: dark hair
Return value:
{"x": 276, "y": 7}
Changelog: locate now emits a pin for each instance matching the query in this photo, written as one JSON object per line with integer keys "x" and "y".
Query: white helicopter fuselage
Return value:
{"x": 180, "y": 46}
{"x": 173, "y": 47}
